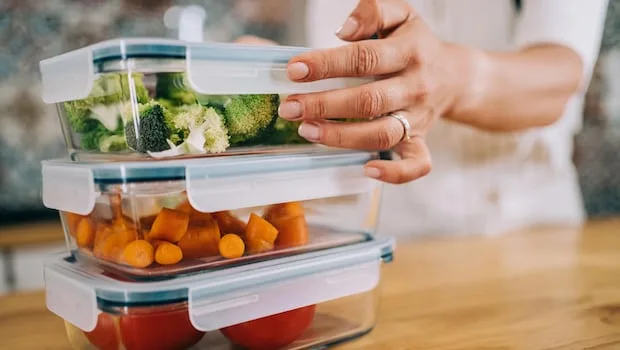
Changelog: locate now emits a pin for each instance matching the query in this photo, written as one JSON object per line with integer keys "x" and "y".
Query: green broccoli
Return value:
{"x": 202, "y": 128}
{"x": 113, "y": 143}
{"x": 248, "y": 117}
{"x": 218, "y": 102}
{"x": 97, "y": 134}
{"x": 284, "y": 132}
{"x": 153, "y": 129}
{"x": 173, "y": 88}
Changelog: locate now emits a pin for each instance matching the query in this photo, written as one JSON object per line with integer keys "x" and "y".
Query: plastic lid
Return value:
{"x": 212, "y": 68}
{"x": 215, "y": 184}
{"x": 225, "y": 297}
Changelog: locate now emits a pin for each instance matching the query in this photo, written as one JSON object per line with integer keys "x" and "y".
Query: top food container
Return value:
{"x": 156, "y": 98}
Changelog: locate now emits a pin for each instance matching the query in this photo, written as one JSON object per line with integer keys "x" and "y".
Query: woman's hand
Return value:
{"x": 419, "y": 80}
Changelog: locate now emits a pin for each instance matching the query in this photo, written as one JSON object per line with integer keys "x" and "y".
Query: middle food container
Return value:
{"x": 157, "y": 219}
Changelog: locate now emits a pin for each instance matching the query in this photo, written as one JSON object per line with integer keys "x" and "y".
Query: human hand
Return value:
{"x": 420, "y": 80}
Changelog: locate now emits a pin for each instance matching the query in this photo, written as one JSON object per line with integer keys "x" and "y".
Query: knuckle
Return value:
{"x": 371, "y": 102}
{"x": 365, "y": 60}
{"x": 334, "y": 137}
{"x": 316, "y": 107}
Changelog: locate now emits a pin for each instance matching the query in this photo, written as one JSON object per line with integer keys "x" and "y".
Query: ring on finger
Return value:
{"x": 407, "y": 132}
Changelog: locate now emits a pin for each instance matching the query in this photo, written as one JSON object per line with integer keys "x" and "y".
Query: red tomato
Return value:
{"x": 271, "y": 332}
{"x": 104, "y": 336}
{"x": 155, "y": 329}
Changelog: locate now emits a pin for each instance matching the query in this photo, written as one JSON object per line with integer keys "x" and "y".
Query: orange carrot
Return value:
{"x": 257, "y": 246}
{"x": 195, "y": 217}
{"x": 229, "y": 223}
{"x": 283, "y": 210}
{"x": 170, "y": 225}
{"x": 231, "y": 246}
{"x": 110, "y": 247}
{"x": 72, "y": 221}
{"x": 138, "y": 254}
{"x": 292, "y": 231}
{"x": 167, "y": 253}
{"x": 201, "y": 241}
{"x": 85, "y": 233}
{"x": 260, "y": 228}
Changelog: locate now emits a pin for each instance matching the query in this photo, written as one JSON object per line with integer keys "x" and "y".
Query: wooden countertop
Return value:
{"x": 552, "y": 289}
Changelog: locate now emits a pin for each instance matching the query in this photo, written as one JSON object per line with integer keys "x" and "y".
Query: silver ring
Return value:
{"x": 408, "y": 134}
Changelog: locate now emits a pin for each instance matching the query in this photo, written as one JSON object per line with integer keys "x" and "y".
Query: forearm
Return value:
{"x": 512, "y": 91}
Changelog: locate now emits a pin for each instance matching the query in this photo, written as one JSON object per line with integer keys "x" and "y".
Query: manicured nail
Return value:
{"x": 348, "y": 28}
{"x": 297, "y": 70}
{"x": 310, "y": 132}
{"x": 373, "y": 172}
{"x": 290, "y": 110}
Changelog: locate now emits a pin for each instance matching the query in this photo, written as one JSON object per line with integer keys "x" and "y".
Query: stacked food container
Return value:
{"x": 194, "y": 216}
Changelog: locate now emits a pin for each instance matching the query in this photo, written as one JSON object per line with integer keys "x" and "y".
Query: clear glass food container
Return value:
{"x": 156, "y": 98}
{"x": 299, "y": 302}
{"x": 158, "y": 219}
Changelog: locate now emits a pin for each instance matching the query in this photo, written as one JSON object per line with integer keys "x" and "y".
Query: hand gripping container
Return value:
{"x": 299, "y": 302}
{"x": 158, "y": 98}
{"x": 158, "y": 219}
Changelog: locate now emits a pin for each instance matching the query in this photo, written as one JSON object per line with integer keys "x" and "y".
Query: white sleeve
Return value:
{"x": 577, "y": 24}
{"x": 323, "y": 17}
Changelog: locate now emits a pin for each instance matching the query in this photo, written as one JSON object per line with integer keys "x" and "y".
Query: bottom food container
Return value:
{"x": 296, "y": 302}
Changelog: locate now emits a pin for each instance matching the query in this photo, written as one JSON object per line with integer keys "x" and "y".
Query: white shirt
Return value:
{"x": 483, "y": 182}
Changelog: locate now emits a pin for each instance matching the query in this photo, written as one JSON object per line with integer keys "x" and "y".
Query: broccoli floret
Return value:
{"x": 173, "y": 88}
{"x": 109, "y": 91}
{"x": 153, "y": 129}
{"x": 218, "y": 102}
{"x": 203, "y": 128}
{"x": 248, "y": 117}
{"x": 285, "y": 132}
{"x": 113, "y": 143}
{"x": 90, "y": 140}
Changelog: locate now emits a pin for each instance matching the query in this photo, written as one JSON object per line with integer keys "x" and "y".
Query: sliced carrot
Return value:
{"x": 257, "y": 246}
{"x": 170, "y": 225}
{"x": 85, "y": 233}
{"x": 283, "y": 210}
{"x": 229, "y": 223}
{"x": 138, "y": 254}
{"x": 201, "y": 241}
{"x": 110, "y": 247}
{"x": 292, "y": 231}
{"x": 260, "y": 228}
{"x": 167, "y": 253}
{"x": 231, "y": 246}
{"x": 72, "y": 222}
{"x": 195, "y": 217}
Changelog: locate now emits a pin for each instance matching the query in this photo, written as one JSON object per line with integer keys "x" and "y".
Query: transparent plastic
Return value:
{"x": 150, "y": 229}
{"x": 297, "y": 302}
{"x": 161, "y": 99}
{"x": 168, "y": 326}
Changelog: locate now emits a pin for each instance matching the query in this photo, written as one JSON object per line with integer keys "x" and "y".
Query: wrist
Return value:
{"x": 470, "y": 81}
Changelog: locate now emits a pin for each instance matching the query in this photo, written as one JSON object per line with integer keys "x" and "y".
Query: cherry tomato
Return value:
{"x": 104, "y": 336}
{"x": 158, "y": 328}
{"x": 271, "y": 332}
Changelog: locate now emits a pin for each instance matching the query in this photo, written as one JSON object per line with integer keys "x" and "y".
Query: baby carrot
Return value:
{"x": 231, "y": 246}
{"x": 167, "y": 253}
{"x": 170, "y": 225}
{"x": 85, "y": 233}
{"x": 138, "y": 254}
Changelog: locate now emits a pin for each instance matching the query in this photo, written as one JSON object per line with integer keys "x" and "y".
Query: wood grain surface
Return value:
{"x": 540, "y": 289}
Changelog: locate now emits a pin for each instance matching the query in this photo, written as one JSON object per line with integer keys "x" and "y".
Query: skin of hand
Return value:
{"x": 422, "y": 78}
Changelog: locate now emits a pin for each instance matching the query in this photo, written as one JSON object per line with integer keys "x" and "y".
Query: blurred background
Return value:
{"x": 31, "y": 30}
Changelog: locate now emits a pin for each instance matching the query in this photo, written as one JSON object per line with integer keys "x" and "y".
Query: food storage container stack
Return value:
{"x": 194, "y": 216}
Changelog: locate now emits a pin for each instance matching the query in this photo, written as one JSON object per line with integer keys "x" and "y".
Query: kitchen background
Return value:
{"x": 29, "y": 131}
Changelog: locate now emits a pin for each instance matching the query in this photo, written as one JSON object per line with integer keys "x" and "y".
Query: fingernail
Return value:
{"x": 297, "y": 70}
{"x": 373, "y": 172}
{"x": 309, "y": 131}
{"x": 348, "y": 28}
{"x": 290, "y": 110}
